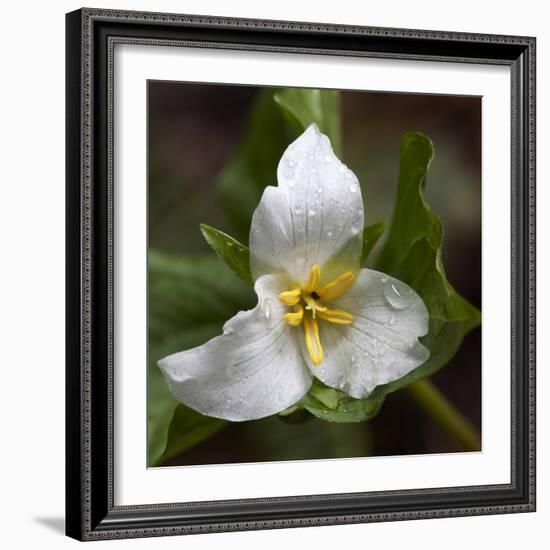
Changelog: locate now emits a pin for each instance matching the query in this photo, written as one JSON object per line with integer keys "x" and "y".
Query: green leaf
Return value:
{"x": 348, "y": 409}
{"x": 336, "y": 406}
{"x": 231, "y": 251}
{"x": 371, "y": 234}
{"x": 328, "y": 397}
{"x": 412, "y": 253}
{"x": 187, "y": 429}
{"x": 303, "y": 106}
{"x": 190, "y": 298}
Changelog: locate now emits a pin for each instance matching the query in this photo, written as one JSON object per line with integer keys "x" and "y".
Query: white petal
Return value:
{"x": 314, "y": 216}
{"x": 254, "y": 369}
{"x": 381, "y": 345}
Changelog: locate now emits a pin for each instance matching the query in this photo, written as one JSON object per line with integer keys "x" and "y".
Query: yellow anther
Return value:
{"x": 312, "y": 305}
{"x": 294, "y": 319}
{"x": 306, "y": 301}
{"x": 314, "y": 278}
{"x": 290, "y": 297}
{"x": 315, "y": 351}
{"x": 336, "y": 316}
{"x": 337, "y": 287}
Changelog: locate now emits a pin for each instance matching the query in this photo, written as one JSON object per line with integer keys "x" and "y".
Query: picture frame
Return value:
{"x": 91, "y": 368}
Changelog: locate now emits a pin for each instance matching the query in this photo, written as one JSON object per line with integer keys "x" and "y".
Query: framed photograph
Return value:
{"x": 300, "y": 274}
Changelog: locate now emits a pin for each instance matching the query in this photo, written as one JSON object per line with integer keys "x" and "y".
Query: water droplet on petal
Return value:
{"x": 227, "y": 330}
{"x": 353, "y": 188}
{"x": 356, "y": 225}
{"x": 329, "y": 233}
{"x": 391, "y": 320}
{"x": 297, "y": 210}
{"x": 328, "y": 158}
{"x": 397, "y": 294}
{"x": 267, "y": 308}
{"x": 312, "y": 212}
{"x": 349, "y": 174}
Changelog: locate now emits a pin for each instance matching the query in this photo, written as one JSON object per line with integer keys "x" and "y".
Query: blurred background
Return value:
{"x": 195, "y": 129}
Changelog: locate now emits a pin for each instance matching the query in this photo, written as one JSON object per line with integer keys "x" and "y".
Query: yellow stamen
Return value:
{"x": 313, "y": 280}
{"x": 337, "y": 287}
{"x": 336, "y": 316}
{"x": 312, "y": 305}
{"x": 290, "y": 297}
{"x": 316, "y": 353}
{"x": 294, "y": 319}
{"x": 307, "y": 298}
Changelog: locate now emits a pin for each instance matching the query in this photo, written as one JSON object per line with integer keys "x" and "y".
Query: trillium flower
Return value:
{"x": 318, "y": 313}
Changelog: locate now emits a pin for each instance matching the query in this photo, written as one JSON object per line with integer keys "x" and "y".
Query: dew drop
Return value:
{"x": 329, "y": 233}
{"x": 355, "y": 225}
{"x": 267, "y": 308}
{"x": 227, "y": 331}
{"x": 328, "y": 159}
{"x": 353, "y": 188}
{"x": 229, "y": 243}
{"x": 392, "y": 320}
{"x": 397, "y": 294}
{"x": 297, "y": 210}
{"x": 349, "y": 174}
{"x": 312, "y": 212}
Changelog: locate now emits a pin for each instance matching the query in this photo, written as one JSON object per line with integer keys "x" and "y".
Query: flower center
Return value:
{"x": 307, "y": 303}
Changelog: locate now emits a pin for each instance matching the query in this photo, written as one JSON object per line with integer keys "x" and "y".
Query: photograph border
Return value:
{"x": 91, "y": 37}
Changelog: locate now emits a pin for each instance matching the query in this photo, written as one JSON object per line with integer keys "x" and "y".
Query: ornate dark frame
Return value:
{"x": 90, "y": 510}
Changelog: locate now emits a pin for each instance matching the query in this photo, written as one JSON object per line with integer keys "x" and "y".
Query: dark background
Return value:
{"x": 195, "y": 129}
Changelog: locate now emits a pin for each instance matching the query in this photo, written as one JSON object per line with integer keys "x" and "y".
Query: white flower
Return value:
{"x": 318, "y": 313}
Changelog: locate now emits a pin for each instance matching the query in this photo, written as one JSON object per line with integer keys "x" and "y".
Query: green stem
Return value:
{"x": 445, "y": 414}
